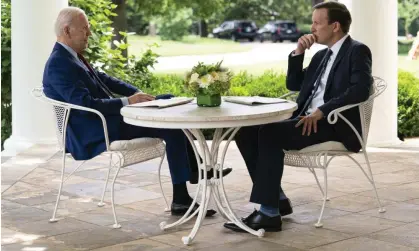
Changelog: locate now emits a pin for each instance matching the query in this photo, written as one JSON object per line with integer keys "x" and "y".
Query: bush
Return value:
{"x": 175, "y": 24}
{"x": 170, "y": 83}
{"x": 6, "y": 72}
{"x": 272, "y": 84}
{"x": 408, "y": 104}
{"x": 404, "y": 47}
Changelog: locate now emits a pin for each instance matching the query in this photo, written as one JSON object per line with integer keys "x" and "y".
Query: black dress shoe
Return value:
{"x": 180, "y": 210}
{"x": 285, "y": 208}
{"x": 258, "y": 220}
{"x": 210, "y": 174}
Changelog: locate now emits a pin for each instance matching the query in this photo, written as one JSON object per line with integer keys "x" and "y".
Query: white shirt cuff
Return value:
{"x": 124, "y": 101}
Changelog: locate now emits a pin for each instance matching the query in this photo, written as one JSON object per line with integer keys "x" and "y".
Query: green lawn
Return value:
{"x": 409, "y": 65}
{"x": 258, "y": 69}
{"x": 190, "y": 45}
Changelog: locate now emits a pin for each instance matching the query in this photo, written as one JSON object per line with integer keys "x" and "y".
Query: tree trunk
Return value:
{"x": 120, "y": 23}
{"x": 408, "y": 21}
{"x": 406, "y": 28}
{"x": 203, "y": 28}
{"x": 314, "y": 2}
{"x": 152, "y": 29}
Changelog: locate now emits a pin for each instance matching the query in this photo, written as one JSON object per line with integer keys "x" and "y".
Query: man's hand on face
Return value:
{"x": 310, "y": 122}
{"x": 304, "y": 43}
{"x": 140, "y": 97}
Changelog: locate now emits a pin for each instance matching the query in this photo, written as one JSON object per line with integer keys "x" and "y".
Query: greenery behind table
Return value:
{"x": 272, "y": 84}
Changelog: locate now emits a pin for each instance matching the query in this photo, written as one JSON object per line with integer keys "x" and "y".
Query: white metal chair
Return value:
{"x": 125, "y": 152}
{"x": 319, "y": 156}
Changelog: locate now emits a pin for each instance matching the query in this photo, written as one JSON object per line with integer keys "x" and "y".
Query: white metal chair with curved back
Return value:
{"x": 319, "y": 156}
{"x": 122, "y": 153}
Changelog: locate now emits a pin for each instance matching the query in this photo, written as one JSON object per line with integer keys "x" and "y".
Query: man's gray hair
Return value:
{"x": 65, "y": 17}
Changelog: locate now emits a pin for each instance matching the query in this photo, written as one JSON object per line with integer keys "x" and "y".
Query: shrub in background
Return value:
{"x": 408, "y": 104}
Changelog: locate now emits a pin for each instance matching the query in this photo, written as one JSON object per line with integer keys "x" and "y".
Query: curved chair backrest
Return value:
{"x": 61, "y": 112}
{"x": 365, "y": 109}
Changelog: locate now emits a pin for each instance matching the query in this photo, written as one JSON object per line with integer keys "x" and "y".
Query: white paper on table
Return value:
{"x": 163, "y": 103}
{"x": 255, "y": 100}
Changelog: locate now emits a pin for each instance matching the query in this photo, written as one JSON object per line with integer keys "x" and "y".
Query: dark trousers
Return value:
{"x": 262, "y": 150}
{"x": 180, "y": 155}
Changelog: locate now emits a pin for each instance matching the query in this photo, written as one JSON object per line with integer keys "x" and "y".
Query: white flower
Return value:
{"x": 215, "y": 76}
{"x": 206, "y": 81}
{"x": 223, "y": 76}
{"x": 194, "y": 78}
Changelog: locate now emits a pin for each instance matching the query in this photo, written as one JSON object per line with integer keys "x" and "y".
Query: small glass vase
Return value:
{"x": 207, "y": 100}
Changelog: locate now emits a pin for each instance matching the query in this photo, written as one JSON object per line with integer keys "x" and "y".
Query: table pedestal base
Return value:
{"x": 210, "y": 188}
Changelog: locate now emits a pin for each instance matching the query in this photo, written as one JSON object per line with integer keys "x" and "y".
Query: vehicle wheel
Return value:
{"x": 234, "y": 38}
{"x": 251, "y": 39}
{"x": 294, "y": 40}
{"x": 281, "y": 40}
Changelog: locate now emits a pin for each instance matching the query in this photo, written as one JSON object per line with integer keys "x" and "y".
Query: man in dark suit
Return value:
{"x": 336, "y": 76}
{"x": 68, "y": 77}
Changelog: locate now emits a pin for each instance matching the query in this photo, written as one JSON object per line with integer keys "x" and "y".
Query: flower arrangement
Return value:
{"x": 208, "y": 82}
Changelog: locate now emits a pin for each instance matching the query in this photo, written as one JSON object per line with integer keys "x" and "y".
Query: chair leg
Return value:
{"x": 319, "y": 222}
{"x": 313, "y": 171}
{"x": 54, "y": 219}
{"x": 381, "y": 209}
{"x": 167, "y": 209}
{"x": 116, "y": 225}
{"x": 101, "y": 204}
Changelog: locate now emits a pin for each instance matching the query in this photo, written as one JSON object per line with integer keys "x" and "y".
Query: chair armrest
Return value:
{"x": 105, "y": 127}
{"x": 38, "y": 93}
{"x": 334, "y": 115}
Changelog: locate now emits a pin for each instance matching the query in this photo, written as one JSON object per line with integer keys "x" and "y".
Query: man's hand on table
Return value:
{"x": 140, "y": 97}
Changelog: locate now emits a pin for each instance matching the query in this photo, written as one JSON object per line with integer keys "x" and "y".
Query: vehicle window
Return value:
{"x": 290, "y": 26}
{"x": 267, "y": 26}
{"x": 247, "y": 24}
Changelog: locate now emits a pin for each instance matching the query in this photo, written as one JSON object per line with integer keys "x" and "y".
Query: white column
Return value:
{"x": 32, "y": 42}
{"x": 374, "y": 22}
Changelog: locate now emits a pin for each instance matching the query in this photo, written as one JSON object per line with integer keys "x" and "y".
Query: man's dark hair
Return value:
{"x": 337, "y": 12}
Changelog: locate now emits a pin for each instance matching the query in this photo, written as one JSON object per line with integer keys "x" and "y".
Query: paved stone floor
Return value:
{"x": 351, "y": 221}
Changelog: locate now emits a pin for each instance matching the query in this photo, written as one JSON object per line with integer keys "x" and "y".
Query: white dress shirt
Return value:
{"x": 124, "y": 100}
{"x": 318, "y": 97}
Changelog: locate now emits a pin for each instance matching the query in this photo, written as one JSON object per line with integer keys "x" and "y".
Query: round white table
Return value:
{"x": 227, "y": 120}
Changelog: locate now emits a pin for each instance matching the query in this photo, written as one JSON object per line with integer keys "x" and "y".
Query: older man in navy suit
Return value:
{"x": 68, "y": 77}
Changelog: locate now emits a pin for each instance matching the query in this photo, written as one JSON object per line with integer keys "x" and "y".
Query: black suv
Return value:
{"x": 279, "y": 30}
{"x": 236, "y": 29}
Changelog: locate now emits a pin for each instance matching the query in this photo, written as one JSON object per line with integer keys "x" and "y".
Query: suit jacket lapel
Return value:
{"x": 341, "y": 54}
{"x": 94, "y": 78}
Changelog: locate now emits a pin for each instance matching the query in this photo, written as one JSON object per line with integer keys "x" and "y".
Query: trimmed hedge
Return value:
{"x": 272, "y": 84}
{"x": 408, "y": 104}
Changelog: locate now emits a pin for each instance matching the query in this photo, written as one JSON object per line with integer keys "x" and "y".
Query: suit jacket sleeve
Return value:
{"x": 74, "y": 90}
{"x": 296, "y": 73}
{"x": 360, "y": 81}
{"x": 117, "y": 86}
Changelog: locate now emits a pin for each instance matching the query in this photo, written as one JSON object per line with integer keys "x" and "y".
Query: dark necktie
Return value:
{"x": 317, "y": 83}
{"x": 104, "y": 88}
